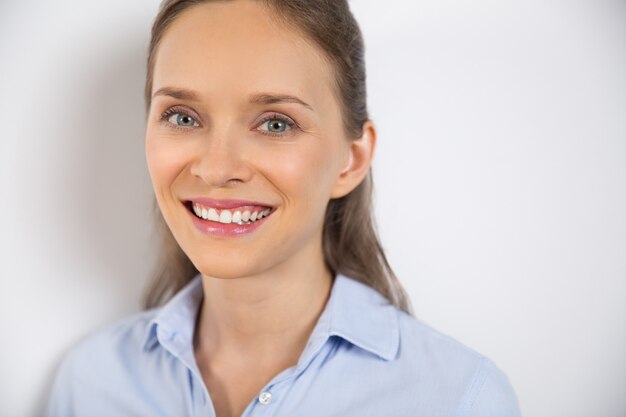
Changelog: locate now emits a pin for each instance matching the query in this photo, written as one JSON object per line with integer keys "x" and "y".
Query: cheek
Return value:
{"x": 304, "y": 174}
{"x": 164, "y": 159}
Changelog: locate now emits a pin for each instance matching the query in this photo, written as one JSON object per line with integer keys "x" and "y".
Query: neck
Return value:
{"x": 266, "y": 314}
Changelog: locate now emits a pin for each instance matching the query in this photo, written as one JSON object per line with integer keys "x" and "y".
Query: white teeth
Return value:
{"x": 213, "y": 216}
{"x": 226, "y": 216}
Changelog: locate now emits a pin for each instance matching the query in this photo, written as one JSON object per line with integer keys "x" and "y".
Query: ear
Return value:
{"x": 359, "y": 159}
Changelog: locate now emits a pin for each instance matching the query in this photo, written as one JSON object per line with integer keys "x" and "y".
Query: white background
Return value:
{"x": 500, "y": 175}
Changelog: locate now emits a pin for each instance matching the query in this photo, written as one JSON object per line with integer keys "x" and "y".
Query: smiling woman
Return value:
{"x": 273, "y": 294}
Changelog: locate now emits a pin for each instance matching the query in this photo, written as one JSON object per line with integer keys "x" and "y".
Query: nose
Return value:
{"x": 220, "y": 161}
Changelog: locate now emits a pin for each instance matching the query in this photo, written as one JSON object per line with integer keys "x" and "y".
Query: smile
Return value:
{"x": 238, "y": 215}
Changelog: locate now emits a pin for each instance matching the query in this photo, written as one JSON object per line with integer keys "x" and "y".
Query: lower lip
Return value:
{"x": 221, "y": 229}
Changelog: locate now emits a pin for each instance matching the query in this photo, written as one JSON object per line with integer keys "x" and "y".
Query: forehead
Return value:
{"x": 238, "y": 47}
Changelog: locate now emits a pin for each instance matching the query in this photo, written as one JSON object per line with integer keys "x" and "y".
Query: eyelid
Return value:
{"x": 292, "y": 124}
{"x": 182, "y": 110}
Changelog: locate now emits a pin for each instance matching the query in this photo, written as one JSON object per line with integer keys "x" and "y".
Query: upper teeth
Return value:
{"x": 229, "y": 216}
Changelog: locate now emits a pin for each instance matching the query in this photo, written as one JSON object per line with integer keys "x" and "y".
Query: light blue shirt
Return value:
{"x": 364, "y": 358}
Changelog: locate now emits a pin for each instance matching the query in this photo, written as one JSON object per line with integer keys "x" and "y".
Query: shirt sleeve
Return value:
{"x": 492, "y": 394}
{"x": 61, "y": 395}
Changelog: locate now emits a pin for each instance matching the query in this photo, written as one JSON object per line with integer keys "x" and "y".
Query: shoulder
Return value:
{"x": 121, "y": 337}
{"x": 100, "y": 363}
{"x": 423, "y": 342}
{"x": 469, "y": 379}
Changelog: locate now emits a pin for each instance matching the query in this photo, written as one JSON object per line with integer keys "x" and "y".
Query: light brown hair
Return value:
{"x": 350, "y": 242}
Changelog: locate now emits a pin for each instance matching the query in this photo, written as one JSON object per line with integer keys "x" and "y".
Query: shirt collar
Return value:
{"x": 354, "y": 312}
{"x": 175, "y": 321}
{"x": 363, "y": 317}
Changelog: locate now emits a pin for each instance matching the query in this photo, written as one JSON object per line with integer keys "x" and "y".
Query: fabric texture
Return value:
{"x": 364, "y": 358}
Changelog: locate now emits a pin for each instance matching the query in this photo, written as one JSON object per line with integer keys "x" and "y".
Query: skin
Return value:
{"x": 263, "y": 292}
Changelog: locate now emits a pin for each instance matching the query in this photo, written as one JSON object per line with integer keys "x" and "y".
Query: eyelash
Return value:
{"x": 176, "y": 110}
{"x": 275, "y": 116}
{"x": 290, "y": 123}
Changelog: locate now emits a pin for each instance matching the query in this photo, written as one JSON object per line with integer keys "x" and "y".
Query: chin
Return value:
{"x": 229, "y": 266}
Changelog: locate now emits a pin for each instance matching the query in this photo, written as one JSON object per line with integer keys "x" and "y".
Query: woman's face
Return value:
{"x": 243, "y": 120}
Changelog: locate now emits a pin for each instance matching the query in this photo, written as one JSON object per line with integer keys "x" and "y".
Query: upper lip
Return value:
{"x": 226, "y": 204}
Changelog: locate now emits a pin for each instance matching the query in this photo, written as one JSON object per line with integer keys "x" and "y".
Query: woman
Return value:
{"x": 259, "y": 149}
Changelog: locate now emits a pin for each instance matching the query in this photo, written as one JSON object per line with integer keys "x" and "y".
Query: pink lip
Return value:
{"x": 226, "y": 204}
{"x": 217, "y": 229}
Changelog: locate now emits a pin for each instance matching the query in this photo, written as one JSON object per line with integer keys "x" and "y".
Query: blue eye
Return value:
{"x": 182, "y": 119}
{"x": 179, "y": 118}
{"x": 277, "y": 125}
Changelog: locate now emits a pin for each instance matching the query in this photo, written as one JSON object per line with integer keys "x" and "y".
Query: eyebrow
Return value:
{"x": 178, "y": 93}
{"x": 258, "y": 98}
{"x": 263, "y": 98}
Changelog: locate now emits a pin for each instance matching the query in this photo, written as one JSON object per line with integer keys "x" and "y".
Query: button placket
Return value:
{"x": 265, "y": 397}
{"x": 203, "y": 407}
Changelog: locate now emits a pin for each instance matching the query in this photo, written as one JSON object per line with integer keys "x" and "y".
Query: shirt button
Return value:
{"x": 265, "y": 397}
